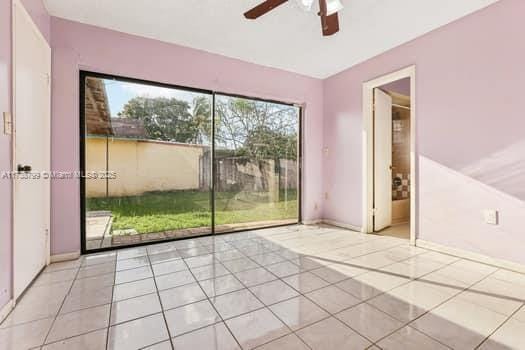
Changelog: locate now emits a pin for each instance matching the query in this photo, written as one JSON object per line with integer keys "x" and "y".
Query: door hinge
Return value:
{"x": 374, "y": 210}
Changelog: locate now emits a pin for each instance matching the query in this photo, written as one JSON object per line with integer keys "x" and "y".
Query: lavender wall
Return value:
{"x": 82, "y": 46}
{"x": 470, "y": 132}
{"x": 40, "y": 16}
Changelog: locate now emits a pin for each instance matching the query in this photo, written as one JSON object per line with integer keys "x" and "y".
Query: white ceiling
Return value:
{"x": 286, "y": 38}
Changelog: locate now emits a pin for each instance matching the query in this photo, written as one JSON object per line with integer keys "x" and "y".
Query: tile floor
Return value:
{"x": 296, "y": 287}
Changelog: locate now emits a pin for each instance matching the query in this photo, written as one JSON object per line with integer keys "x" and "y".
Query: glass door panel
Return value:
{"x": 256, "y": 163}
{"x": 147, "y": 161}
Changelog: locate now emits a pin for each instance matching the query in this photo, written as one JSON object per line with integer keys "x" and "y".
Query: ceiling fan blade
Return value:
{"x": 263, "y": 8}
{"x": 329, "y": 24}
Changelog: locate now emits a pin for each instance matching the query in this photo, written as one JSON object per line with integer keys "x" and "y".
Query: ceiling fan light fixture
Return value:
{"x": 305, "y": 4}
{"x": 333, "y": 6}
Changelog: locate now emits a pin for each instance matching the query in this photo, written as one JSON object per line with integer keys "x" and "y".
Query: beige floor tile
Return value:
{"x": 360, "y": 290}
{"x": 55, "y": 277}
{"x": 510, "y": 336}
{"x": 520, "y": 314}
{"x": 138, "y": 333}
{"x": 164, "y": 257}
{"x": 209, "y": 271}
{"x": 183, "y": 295}
{"x": 25, "y": 336}
{"x": 256, "y": 328}
{"x": 255, "y": 276}
{"x": 338, "y": 272}
{"x": 221, "y": 285}
{"x": 298, "y": 312}
{"x": 93, "y": 283}
{"x": 331, "y": 334}
{"x": 496, "y": 295}
{"x": 381, "y": 281}
{"x": 84, "y": 299}
{"x": 91, "y": 341}
{"x": 95, "y": 270}
{"x": 267, "y": 259}
{"x": 397, "y": 308}
{"x": 173, "y": 280}
{"x": 132, "y": 263}
{"x": 459, "y": 324}
{"x": 235, "y": 303}
{"x": 139, "y": 273}
{"x": 38, "y": 303}
{"x": 165, "y": 268}
{"x": 369, "y": 321}
{"x": 241, "y": 264}
{"x": 216, "y": 337}
{"x": 305, "y": 282}
{"x": 273, "y": 292}
{"x": 96, "y": 259}
{"x": 284, "y": 268}
{"x": 79, "y": 322}
{"x": 229, "y": 255}
{"x": 165, "y": 345}
{"x": 288, "y": 342}
{"x": 133, "y": 289}
{"x": 129, "y": 309}
{"x": 191, "y": 317}
{"x": 201, "y": 260}
{"x": 333, "y": 299}
{"x": 64, "y": 265}
{"x": 409, "y": 338}
{"x": 131, "y": 253}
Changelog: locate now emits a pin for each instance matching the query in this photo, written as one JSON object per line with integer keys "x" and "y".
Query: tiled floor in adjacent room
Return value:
{"x": 297, "y": 287}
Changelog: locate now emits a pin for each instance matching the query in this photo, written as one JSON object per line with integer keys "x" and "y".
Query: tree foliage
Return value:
{"x": 255, "y": 129}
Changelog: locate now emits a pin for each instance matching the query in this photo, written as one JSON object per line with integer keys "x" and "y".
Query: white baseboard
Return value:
{"x": 65, "y": 257}
{"x": 342, "y": 225}
{"x": 333, "y": 223}
{"x": 312, "y": 222}
{"x": 465, "y": 254}
{"x": 6, "y": 309}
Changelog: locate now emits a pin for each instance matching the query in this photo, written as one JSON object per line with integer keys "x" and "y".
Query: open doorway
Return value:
{"x": 389, "y": 179}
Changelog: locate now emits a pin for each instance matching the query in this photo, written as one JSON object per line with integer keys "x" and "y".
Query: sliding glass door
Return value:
{"x": 256, "y": 168}
{"x": 157, "y": 166}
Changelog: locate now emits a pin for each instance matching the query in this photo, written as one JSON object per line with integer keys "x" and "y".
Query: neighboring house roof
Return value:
{"x": 97, "y": 113}
{"x": 128, "y": 128}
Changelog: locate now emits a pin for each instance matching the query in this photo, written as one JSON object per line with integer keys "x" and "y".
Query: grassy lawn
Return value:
{"x": 163, "y": 211}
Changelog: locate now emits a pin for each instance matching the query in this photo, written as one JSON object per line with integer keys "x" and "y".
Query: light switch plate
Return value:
{"x": 490, "y": 216}
{"x": 8, "y": 125}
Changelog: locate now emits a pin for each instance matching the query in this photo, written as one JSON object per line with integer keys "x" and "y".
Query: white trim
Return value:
{"x": 65, "y": 257}
{"x": 6, "y": 309}
{"x": 465, "y": 254}
{"x": 367, "y": 200}
{"x": 333, "y": 223}
{"x": 342, "y": 225}
{"x": 17, "y": 4}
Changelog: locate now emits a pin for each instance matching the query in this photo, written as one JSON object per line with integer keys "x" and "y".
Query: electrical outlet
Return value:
{"x": 8, "y": 125}
{"x": 490, "y": 216}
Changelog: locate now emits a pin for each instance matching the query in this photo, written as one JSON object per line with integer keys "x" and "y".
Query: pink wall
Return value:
{"x": 39, "y": 14}
{"x": 77, "y": 46}
{"x": 470, "y": 131}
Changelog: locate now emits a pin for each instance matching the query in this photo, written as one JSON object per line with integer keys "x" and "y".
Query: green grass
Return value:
{"x": 163, "y": 211}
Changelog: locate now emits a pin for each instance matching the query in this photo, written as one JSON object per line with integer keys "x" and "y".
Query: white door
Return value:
{"x": 31, "y": 115}
{"x": 382, "y": 160}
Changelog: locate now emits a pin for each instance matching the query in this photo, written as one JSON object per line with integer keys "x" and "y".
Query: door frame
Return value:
{"x": 15, "y": 4}
{"x": 87, "y": 72}
{"x": 368, "y": 148}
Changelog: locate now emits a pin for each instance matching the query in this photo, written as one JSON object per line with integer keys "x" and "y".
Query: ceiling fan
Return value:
{"x": 327, "y": 11}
